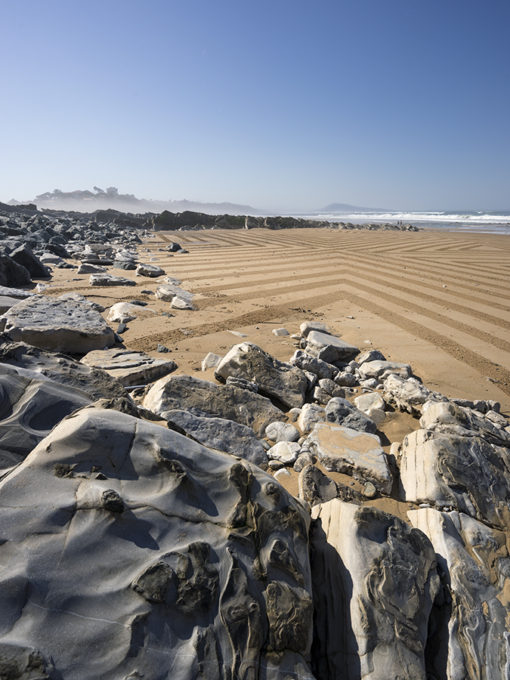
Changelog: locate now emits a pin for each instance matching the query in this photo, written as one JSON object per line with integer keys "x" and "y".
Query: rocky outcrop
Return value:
{"x": 206, "y": 399}
{"x": 469, "y": 626}
{"x": 283, "y": 383}
{"x": 134, "y": 551}
{"x": 374, "y": 584}
{"x": 58, "y": 324}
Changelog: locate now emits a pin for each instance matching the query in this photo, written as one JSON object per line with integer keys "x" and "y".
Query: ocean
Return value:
{"x": 472, "y": 221}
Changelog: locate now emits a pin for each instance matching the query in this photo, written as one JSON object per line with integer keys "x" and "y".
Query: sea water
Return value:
{"x": 471, "y": 221}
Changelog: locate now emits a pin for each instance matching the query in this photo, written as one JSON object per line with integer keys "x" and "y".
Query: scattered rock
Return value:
{"x": 329, "y": 348}
{"x": 282, "y": 432}
{"x": 110, "y": 280}
{"x": 149, "y": 270}
{"x": 285, "y": 452}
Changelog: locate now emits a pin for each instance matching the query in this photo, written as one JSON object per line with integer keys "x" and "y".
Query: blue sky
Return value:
{"x": 287, "y": 104}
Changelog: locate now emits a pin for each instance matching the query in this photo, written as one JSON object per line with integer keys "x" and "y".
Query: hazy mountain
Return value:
{"x": 101, "y": 199}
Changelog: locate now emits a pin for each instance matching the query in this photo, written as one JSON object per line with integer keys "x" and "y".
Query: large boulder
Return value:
{"x": 129, "y": 367}
{"x": 203, "y": 398}
{"x": 58, "y": 324}
{"x": 13, "y": 274}
{"x": 359, "y": 454}
{"x": 374, "y": 583}
{"x": 283, "y": 383}
{"x": 219, "y": 434}
{"x": 30, "y": 406}
{"x": 135, "y": 552}
{"x": 469, "y": 629}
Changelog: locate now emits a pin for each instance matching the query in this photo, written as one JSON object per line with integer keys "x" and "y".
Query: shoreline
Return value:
{"x": 436, "y": 300}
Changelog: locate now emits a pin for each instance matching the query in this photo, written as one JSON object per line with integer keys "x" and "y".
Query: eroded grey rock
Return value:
{"x": 470, "y": 625}
{"x": 380, "y": 370}
{"x": 110, "y": 280}
{"x": 374, "y": 582}
{"x": 166, "y": 558}
{"x": 342, "y": 412}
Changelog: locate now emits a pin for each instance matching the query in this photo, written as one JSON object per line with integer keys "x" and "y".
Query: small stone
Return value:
{"x": 281, "y": 474}
{"x": 278, "y": 432}
{"x": 280, "y": 332}
{"x": 369, "y": 490}
{"x": 163, "y": 349}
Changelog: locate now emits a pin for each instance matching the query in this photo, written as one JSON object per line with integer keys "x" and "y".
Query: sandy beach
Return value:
{"x": 438, "y": 300}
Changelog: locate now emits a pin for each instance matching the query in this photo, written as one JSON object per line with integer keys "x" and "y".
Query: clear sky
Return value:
{"x": 289, "y": 104}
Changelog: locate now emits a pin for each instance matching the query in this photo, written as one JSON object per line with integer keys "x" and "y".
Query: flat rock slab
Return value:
{"x": 110, "y": 280}
{"x": 282, "y": 382}
{"x": 29, "y": 408}
{"x": 359, "y": 454}
{"x": 94, "y": 382}
{"x": 58, "y": 324}
{"x": 204, "y": 398}
{"x": 126, "y": 311}
{"x": 475, "y": 560}
{"x": 129, "y": 367}
{"x": 168, "y": 291}
{"x": 131, "y": 553}
{"x": 329, "y": 348}
{"x": 374, "y": 583}
{"x": 219, "y": 434}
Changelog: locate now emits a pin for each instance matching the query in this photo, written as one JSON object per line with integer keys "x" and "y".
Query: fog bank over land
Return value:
{"x": 101, "y": 199}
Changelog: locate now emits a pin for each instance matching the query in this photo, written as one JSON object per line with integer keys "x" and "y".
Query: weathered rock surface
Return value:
{"x": 450, "y": 418}
{"x": 219, "y": 434}
{"x": 58, "y": 324}
{"x": 282, "y": 382}
{"x": 30, "y": 406}
{"x": 329, "y": 348}
{"x": 15, "y": 292}
{"x": 6, "y": 303}
{"x": 129, "y": 367}
{"x": 315, "y": 487}
{"x": 94, "y": 382}
{"x": 469, "y": 631}
{"x": 203, "y": 398}
{"x": 168, "y": 291}
{"x": 309, "y": 416}
{"x": 135, "y": 552}
{"x": 359, "y": 454}
{"x": 374, "y": 583}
